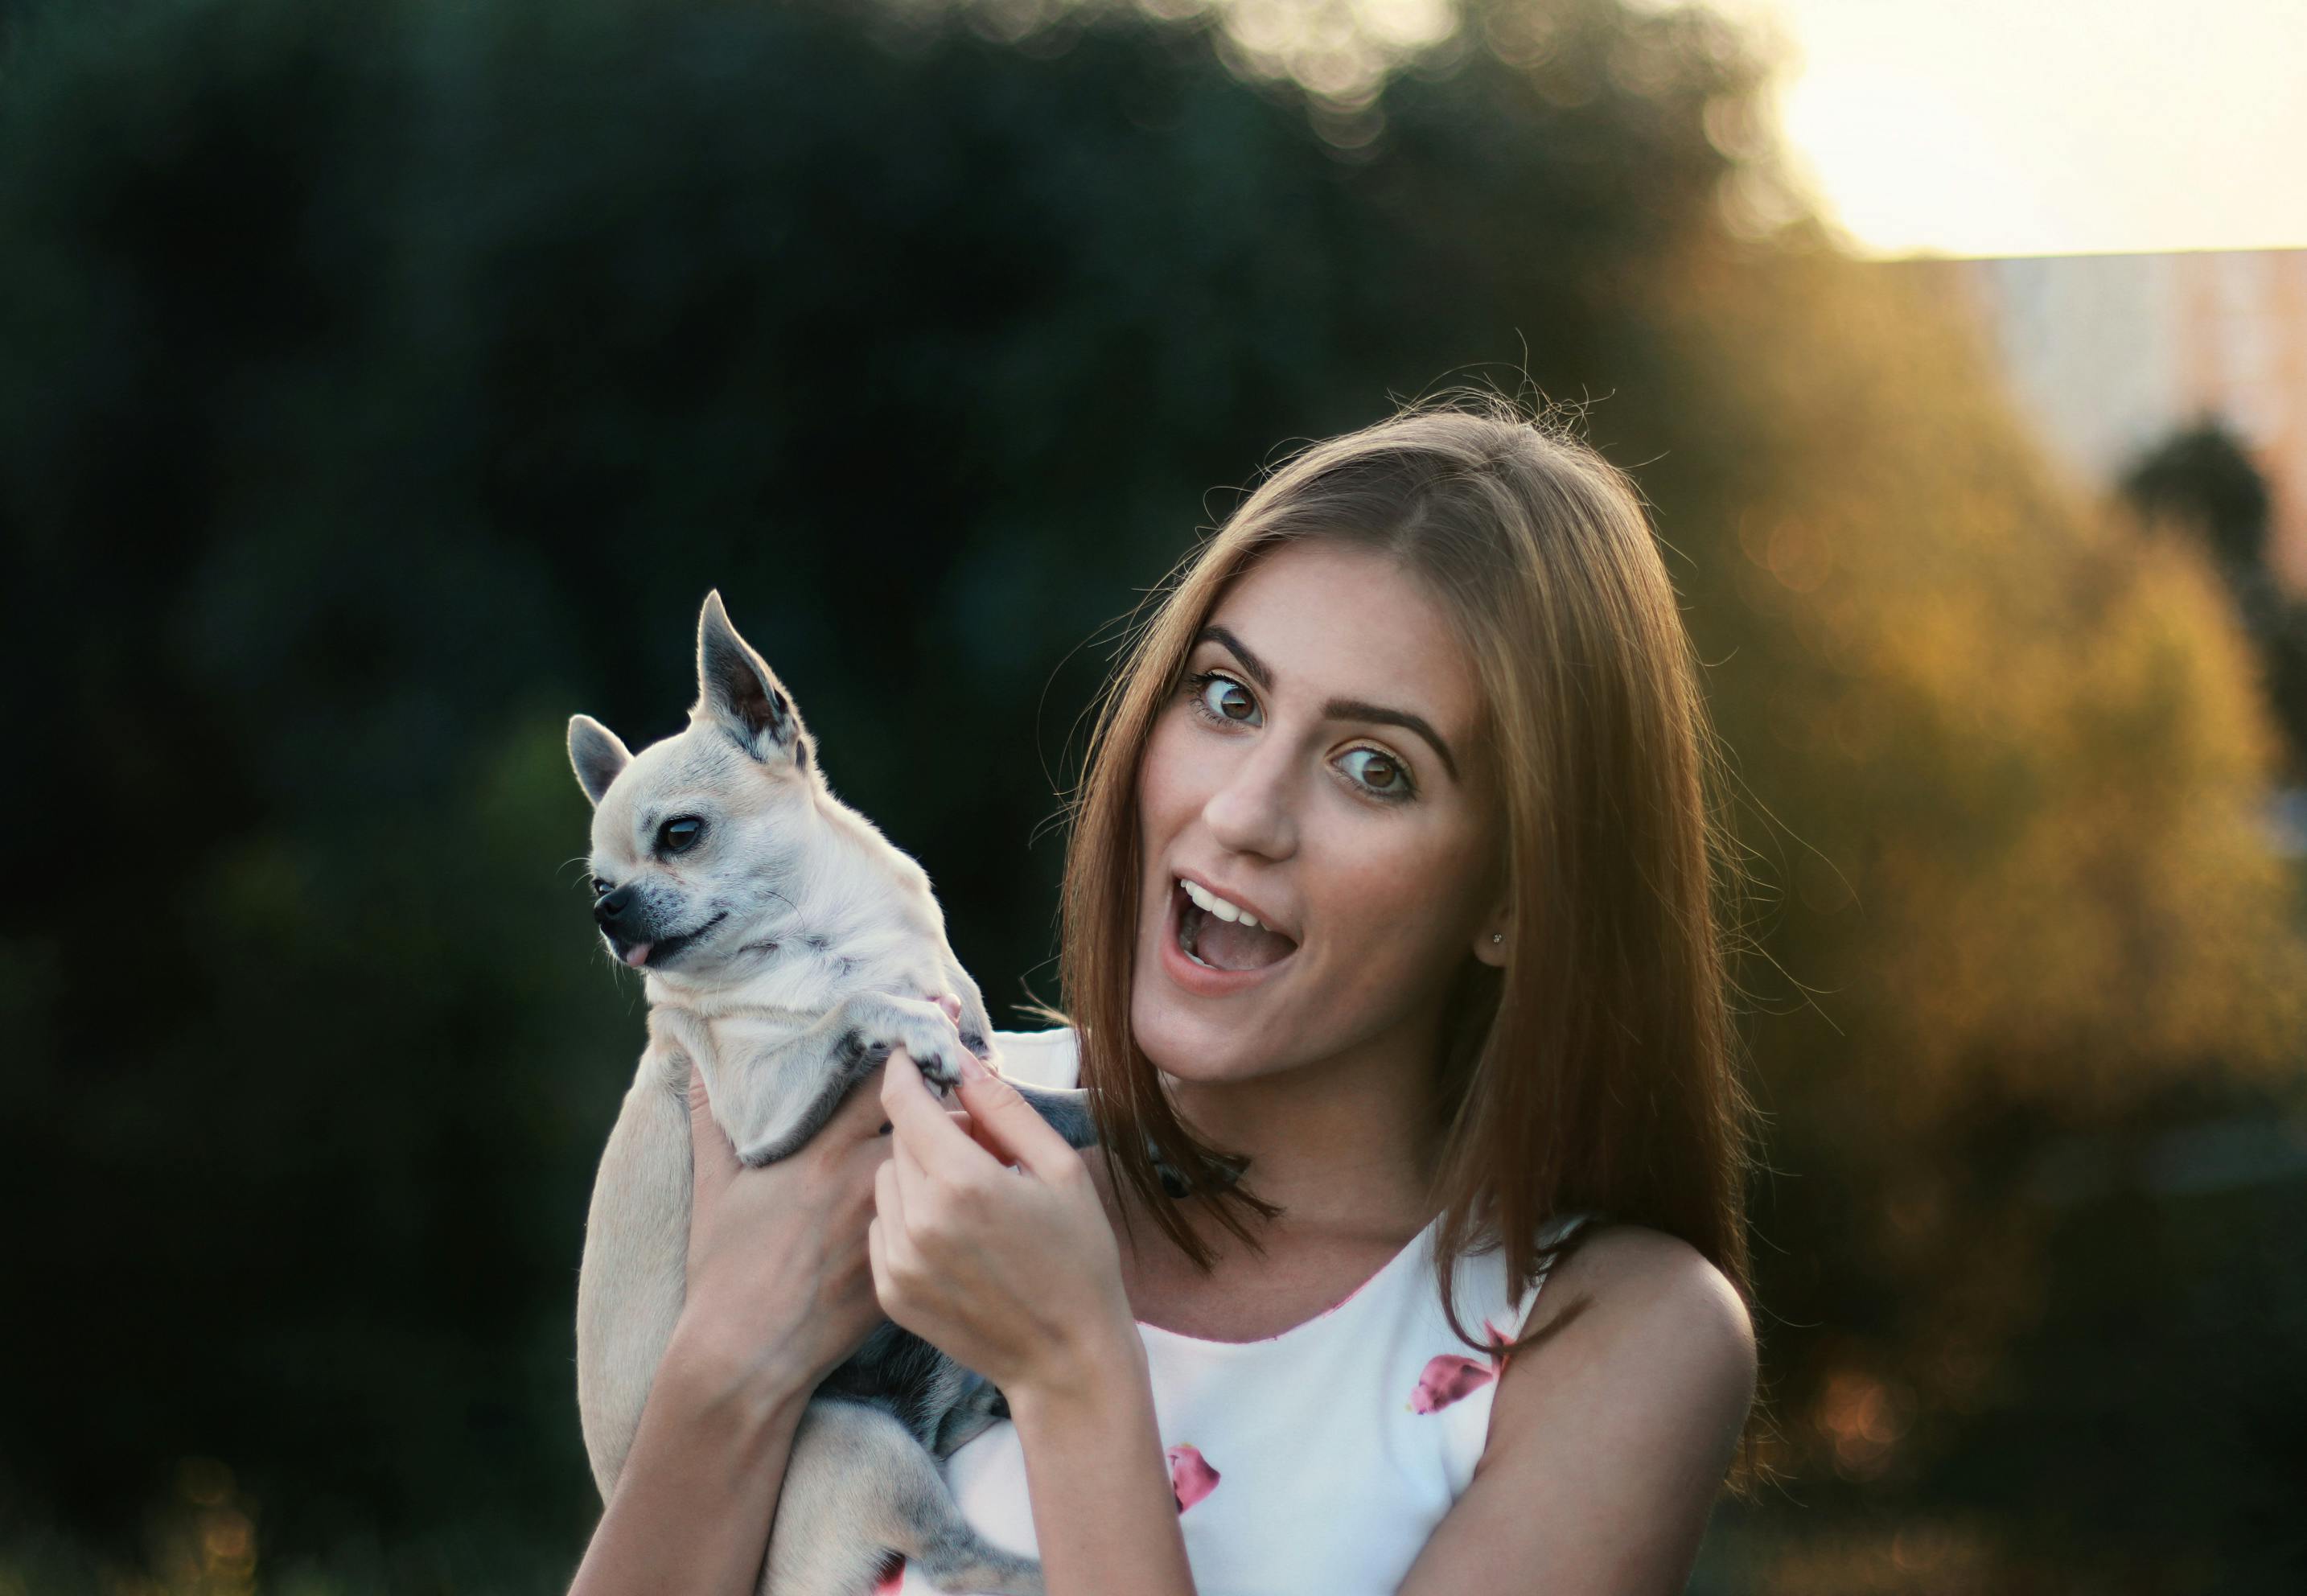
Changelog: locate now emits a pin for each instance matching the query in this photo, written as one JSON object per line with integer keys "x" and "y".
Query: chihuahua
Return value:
{"x": 786, "y": 948}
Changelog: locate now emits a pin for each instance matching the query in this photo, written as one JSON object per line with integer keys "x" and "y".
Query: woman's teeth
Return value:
{"x": 1209, "y": 903}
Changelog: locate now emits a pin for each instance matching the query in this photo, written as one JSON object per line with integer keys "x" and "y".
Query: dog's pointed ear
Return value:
{"x": 597, "y": 753}
{"x": 737, "y": 691}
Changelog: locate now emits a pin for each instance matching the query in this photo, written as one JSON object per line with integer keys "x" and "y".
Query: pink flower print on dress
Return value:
{"x": 1447, "y": 1379}
{"x": 1450, "y": 1376}
{"x": 1191, "y": 1477}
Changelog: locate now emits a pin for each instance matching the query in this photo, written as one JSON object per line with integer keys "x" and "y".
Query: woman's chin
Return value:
{"x": 1193, "y": 1046}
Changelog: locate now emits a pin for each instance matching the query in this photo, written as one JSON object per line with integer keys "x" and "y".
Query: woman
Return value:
{"x": 1391, "y": 885}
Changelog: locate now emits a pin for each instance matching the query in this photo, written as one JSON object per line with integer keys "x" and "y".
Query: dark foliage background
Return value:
{"x": 383, "y": 381}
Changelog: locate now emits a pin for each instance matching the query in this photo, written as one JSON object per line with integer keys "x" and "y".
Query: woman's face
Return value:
{"x": 1318, "y": 767}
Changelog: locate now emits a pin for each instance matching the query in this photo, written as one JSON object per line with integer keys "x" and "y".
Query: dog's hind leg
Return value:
{"x": 981, "y": 1406}
{"x": 630, "y": 1286}
{"x": 858, "y": 1487}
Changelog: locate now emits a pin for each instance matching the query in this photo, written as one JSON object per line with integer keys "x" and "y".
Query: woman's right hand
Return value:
{"x": 780, "y": 1286}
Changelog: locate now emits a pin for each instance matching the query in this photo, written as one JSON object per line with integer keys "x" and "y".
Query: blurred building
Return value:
{"x": 2114, "y": 352}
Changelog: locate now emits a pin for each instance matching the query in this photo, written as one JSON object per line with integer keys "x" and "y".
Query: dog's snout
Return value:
{"x": 612, "y": 906}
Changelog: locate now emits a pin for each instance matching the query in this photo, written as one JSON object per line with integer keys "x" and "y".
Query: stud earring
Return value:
{"x": 1497, "y": 936}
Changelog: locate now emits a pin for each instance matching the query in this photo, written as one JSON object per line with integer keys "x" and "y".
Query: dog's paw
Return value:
{"x": 940, "y": 1070}
{"x": 930, "y": 1038}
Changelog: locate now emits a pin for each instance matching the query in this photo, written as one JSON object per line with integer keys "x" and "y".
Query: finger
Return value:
{"x": 960, "y": 1117}
{"x": 888, "y": 1199}
{"x": 908, "y": 1163}
{"x": 1009, "y": 1126}
{"x": 713, "y": 1158}
{"x": 889, "y": 1219}
{"x": 877, "y": 1258}
{"x": 993, "y": 1145}
{"x": 919, "y": 1121}
{"x": 907, "y": 1178}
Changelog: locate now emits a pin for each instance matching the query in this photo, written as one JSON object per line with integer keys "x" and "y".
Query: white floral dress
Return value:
{"x": 1316, "y": 1461}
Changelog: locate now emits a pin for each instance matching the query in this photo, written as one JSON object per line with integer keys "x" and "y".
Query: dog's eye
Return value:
{"x": 601, "y": 889}
{"x": 678, "y": 835}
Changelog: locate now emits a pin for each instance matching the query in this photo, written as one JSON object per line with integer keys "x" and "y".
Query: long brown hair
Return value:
{"x": 1597, "y": 1069}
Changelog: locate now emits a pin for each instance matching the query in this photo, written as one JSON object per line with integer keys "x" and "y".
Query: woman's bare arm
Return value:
{"x": 1103, "y": 1509}
{"x": 779, "y": 1293}
{"x": 1608, "y": 1443}
{"x": 692, "y": 1509}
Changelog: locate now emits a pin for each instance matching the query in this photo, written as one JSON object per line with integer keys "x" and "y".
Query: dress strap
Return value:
{"x": 1550, "y": 1234}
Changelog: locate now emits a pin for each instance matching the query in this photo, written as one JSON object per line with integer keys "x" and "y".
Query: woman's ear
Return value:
{"x": 1490, "y": 942}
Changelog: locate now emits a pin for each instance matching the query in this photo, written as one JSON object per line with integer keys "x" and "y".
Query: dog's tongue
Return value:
{"x": 1230, "y": 945}
{"x": 637, "y": 954}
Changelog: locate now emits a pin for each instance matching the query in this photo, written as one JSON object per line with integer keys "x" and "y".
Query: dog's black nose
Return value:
{"x": 612, "y": 904}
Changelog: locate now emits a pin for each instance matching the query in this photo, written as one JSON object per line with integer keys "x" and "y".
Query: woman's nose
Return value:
{"x": 1253, "y": 809}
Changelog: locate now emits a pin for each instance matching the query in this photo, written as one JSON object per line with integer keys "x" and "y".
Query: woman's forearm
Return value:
{"x": 1103, "y": 1509}
{"x": 993, "y": 1246}
{"x": 692, "y": 1507}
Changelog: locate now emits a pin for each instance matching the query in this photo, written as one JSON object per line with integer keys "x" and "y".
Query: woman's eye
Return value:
{"x": 678, "y": 835}
{"x": 1222, "y": 697}
{"x": 1379, "y": 772}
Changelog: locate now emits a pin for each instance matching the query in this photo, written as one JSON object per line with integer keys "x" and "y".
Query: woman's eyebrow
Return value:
{"x": 1336, "y": 709}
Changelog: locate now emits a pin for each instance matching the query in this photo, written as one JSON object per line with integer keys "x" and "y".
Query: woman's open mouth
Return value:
{"x": 1208, "y": 950}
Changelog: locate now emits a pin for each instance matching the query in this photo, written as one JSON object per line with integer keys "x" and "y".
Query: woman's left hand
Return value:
{"x": 990, "y": 1242}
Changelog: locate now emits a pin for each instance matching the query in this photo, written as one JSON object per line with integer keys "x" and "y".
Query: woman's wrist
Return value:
{"x": 707, "y": 1371}
{"x": 1085, "y": 1380}
{"x": 1099, "y": 1481}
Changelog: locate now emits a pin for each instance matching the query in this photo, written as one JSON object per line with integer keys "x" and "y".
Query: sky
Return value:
{"x": 2029, "y": 127}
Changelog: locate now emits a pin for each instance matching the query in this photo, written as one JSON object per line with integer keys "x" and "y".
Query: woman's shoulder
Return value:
{"x": 1039, "y": 1058}
{"x": 1657, "y": 1328}
{"x": 1637, "y": 1394}
{"x": 1636, "y": 1277}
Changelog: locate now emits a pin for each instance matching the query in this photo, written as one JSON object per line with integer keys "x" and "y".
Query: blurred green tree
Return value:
{"x": 2021, "y": 765}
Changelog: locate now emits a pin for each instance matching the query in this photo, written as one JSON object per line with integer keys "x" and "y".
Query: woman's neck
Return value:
{"x": 1341, "y": 1145}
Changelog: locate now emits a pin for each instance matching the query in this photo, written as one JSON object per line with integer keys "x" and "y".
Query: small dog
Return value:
{"x": 787, "y": 947}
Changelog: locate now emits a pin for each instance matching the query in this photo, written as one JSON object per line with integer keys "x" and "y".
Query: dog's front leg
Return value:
{"x": 783, "y": 1094}
{"x": 1066, "y": 1110}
